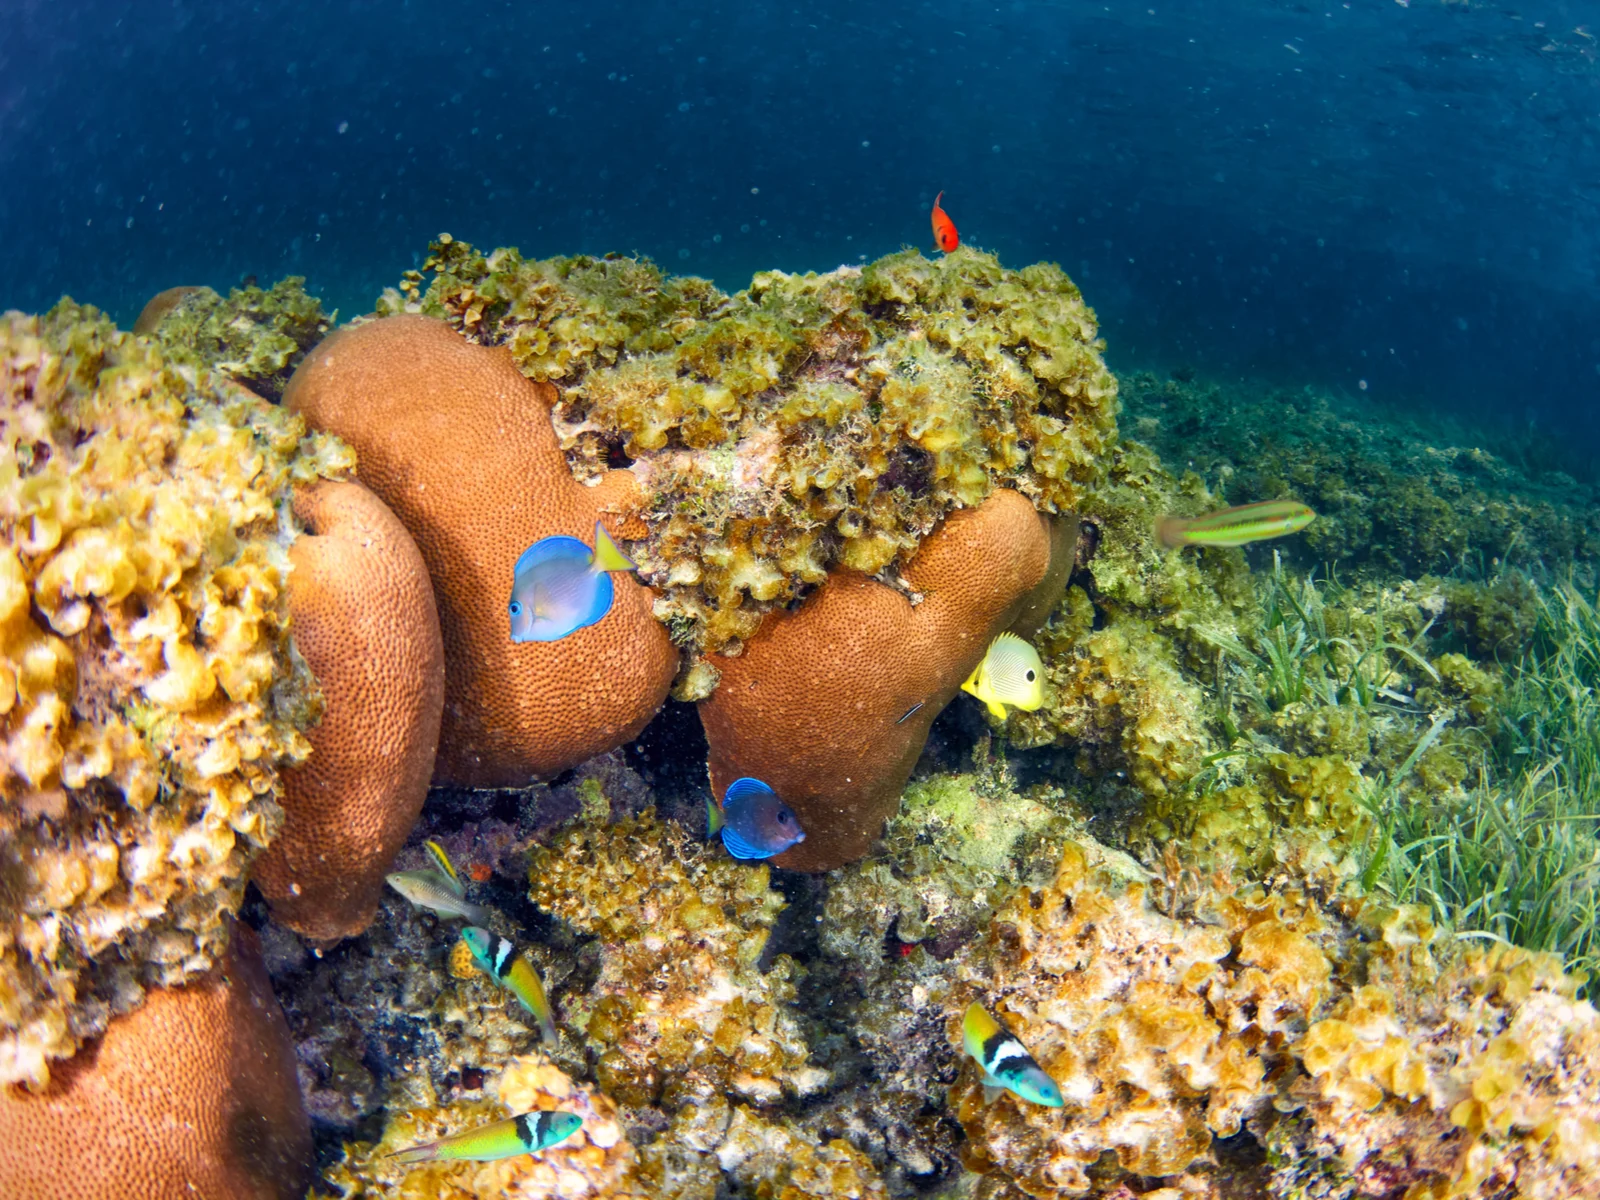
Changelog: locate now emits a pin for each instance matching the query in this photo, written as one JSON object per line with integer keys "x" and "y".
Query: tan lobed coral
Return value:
{"x": 460, "y": 446}
{"x": 682, "y": 1009}
{"x": 805, "y": 424}
{"x": 148, "y": 692}
{"x": 193, "y": 1094}
{"x": 365, "y": 621}
{"x": 831, "y": 704}
{"x": 1329, "y": 1034}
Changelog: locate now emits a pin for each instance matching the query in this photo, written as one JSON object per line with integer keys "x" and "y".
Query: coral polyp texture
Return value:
{"x": 364, "y": 620}
{"x": 1329, "y": 1034}
{"x": 831, "y": 704}
{"x": 148, "y": 689}
{"x": 683, "y": 1009}
{"x": 807, "y": 423}
{"x": 460, "y": 446}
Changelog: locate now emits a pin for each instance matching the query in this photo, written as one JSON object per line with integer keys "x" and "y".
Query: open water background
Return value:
{"x": 1324, "y": 193}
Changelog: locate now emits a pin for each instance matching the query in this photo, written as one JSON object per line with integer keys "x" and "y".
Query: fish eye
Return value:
{"x": 516, "y": 608}
{"x": 1030, "y": 676}
{"x": 785, "y": 816}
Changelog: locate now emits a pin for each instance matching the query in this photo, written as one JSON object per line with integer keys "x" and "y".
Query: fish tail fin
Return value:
{"x": 475, "y": 914}
{"x": 1172, "y": 532}
{"x": 607, "y": 557}
{"x": 547, "y": 1031}
{"x": 713, "y": 817}
{"x": 415, "y": 1154}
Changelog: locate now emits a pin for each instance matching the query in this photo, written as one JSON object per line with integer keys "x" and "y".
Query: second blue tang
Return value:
{"x": 753, "y": 821}
{"x": 559, "y": 586}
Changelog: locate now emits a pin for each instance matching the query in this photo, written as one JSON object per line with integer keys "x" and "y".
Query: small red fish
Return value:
{"x": 944, "y": 229}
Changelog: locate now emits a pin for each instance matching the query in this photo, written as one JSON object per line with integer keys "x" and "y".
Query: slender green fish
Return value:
{"x": 498, "y": 956}
{"x": 433, "y": 891}
{"x": 1236, "y": 526}
{"x": 526, "y": 1134}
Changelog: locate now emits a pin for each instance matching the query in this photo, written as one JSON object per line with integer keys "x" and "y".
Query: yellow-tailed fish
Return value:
{"x": 1004, "y": 1061}
{"x": 1010, "y": 673}
{"x": 1235, "y": 526}
{"x": 527, "y": 1134}
{"x": 441, "y": 860}
{"x": 437, "y": 893}
{"x": 498, "y": 956}
{"x": 559, "y": 585}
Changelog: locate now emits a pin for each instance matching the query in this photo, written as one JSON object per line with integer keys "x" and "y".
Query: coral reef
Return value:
{"x": 192, "y": 1094}
{"x": 255, "y": 337}
{"x": 148, "y": 688}
{"x": 1328, "y": 1033}
{"x": 805, "y": 424}
{"x": 364, "y": 620}
{"x": 819, "y": 704}
{"x": 683, "y": 1008}
{"x": 460, "y": 447}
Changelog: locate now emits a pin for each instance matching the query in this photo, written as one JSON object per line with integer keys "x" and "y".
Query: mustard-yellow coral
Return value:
{"x": 148, "y": 692}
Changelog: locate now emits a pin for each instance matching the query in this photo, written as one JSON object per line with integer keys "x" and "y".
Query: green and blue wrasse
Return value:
{"x": 527, "y": 1134}
{"x": 1010, "y": 673}
{"x": 498, "y": 956}
{"x": 1005, "y": 1063}
{"x": 437, "y": 893}
{"x": 1236, "y": 526}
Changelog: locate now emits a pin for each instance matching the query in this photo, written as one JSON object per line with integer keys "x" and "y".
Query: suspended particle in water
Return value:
{"x": 1362, "y": 385}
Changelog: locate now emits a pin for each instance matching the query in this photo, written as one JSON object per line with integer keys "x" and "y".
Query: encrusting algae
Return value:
{"x": 806, "y": 422}
{"x": 149, "y": 691}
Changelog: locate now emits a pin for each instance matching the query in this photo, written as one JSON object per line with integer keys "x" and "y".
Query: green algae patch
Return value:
{"x": 807, "y": 423}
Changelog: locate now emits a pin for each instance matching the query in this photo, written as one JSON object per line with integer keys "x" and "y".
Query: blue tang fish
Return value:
{"x": 753, "y": 822}
{"x": 559, "y": 585}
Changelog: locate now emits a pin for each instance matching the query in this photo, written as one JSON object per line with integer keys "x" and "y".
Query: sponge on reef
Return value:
{"x": 194, "y": 1094}
{"x": 148, "y": 692}
{"x": 365, "y": 622}
{"x": 460, "y": 446}
{"x": 814, "y": 704}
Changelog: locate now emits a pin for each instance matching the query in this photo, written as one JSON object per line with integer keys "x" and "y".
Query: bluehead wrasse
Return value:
{"x": 498, "y": 956}
{"x": 526, "y": 1134}
{"x": 753, "y": 821}
{"x": 1011, "y": 673}
{"x": 1004, "y": 1061}
{"x": 437, "y": 893}
{"x": 1235, "y": 526}
{"x": 559, "y": 585}
{"x": 441, "y": 860}
{"x": 911, "y": 712}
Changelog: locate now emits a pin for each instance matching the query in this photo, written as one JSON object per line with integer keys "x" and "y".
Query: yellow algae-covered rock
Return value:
{"x": 148, "y": 691}
{"x": 681, "y": 1010}
{"x": 594, "y": 1162}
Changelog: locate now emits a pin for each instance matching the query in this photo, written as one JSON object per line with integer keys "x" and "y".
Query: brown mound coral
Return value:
{"x": 814, "y": 704}
{"x": 1330, "y": 1035}
{"x": 682, "y": 1010}
{"x": 460, "y": 446}
{"x": 194, "y": 1094}
{"x": 365, "y": 622}
{"x": 148, "y": 694}
{"x": 806, "y": 424}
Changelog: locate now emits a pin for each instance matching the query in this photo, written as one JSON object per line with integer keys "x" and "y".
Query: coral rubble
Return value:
{"x": 460, "y": 446}
{"x": 149, "y": 691}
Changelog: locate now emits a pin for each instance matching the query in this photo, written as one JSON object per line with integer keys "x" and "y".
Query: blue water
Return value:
{"x": 1403, "y": 195}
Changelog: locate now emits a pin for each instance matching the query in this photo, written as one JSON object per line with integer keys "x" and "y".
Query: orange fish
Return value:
{"x": 944, "y": 229}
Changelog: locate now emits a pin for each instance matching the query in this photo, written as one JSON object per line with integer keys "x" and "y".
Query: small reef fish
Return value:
{"x": 441, "y": 860}
{"x": 498, "y": 956}
{"x": 559, "y": 585}
{"x": 753, "y": 822}
{"x": 1235, "y": 526}
{"x": 1005, "y": 1063}
{"x": 1010, "y": 673}
{"x": 527, "y": 1134}
{"x": 944, "y": 229}
{"x": 437, "y": 893}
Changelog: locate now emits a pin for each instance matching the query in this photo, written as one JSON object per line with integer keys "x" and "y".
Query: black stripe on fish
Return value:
{"x": 505, "y": 957}
{"x": 999, "y": 1049}
{"x": 526, "y": 1132}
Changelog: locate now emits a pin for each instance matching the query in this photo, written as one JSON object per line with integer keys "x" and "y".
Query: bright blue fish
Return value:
{"x": 753, "y": 822}
{"x": 559, "y": 585}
